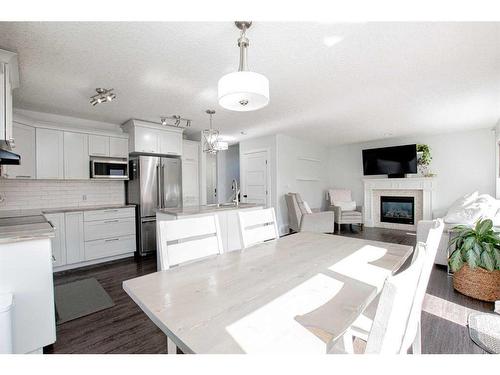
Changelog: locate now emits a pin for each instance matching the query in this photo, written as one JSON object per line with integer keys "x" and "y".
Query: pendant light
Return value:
{"x": 211, "y": 140}
{"x": 243, "y": 90}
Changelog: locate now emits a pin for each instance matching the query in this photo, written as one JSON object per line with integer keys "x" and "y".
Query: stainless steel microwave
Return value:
{"x": 113, "y": 169}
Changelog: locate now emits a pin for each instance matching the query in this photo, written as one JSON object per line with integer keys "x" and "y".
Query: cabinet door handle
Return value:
{"x": 111, "y": 239}
{"x": 53, "y": 258}
{"x": 23, "y": 176}
{"x": 111, "y": 221}
{"x": 110, "y": 210}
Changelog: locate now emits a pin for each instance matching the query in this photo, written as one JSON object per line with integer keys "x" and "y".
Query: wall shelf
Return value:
{"x": 307, "y": 179}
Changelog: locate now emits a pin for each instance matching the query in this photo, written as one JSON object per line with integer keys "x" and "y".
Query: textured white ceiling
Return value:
{"x": 381, "y": 80}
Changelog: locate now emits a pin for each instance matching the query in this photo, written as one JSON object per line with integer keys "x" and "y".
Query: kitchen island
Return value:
{"x": 227, "y": 214}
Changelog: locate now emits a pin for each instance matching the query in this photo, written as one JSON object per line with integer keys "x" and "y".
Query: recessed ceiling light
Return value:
{"x": 243, "y": 133}
{"x": 331, "y": 40}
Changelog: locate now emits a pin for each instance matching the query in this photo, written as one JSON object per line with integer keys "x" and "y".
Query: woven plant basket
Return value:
{"x": 478, "y": 283}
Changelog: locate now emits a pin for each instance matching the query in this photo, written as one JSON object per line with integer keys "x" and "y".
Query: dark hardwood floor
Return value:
{"x": 123, "y": 328}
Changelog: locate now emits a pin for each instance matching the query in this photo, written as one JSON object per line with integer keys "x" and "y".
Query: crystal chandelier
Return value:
{"x": 211, "y": 140}
{"x": 243, "y": 90}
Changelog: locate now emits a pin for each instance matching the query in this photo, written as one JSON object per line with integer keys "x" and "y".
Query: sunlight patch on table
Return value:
{"x": 273, "y": 328}
{"x": 356, "y": 266}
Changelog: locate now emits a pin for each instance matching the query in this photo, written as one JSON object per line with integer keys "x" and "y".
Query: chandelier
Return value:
{"x": 212, "y": 142}
{"x": 102, "y": 96}
{"x": 243, "y": 90}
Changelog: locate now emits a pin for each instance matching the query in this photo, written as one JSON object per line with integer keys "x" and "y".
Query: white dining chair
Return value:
{"x": 429, "y": 231}
{"x": 186, "y": 240}
{"x": 390, "y": 321}
{"x": 257, "y": 226}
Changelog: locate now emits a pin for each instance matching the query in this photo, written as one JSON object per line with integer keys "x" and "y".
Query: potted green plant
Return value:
{"x": 424, "y": 159}
{"x": 475, "y": 261}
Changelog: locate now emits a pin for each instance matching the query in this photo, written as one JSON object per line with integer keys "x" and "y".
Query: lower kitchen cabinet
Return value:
{"x": 88, "y": 237}
{"x": 75, "y": 247}
{"x": 59, "y": 241}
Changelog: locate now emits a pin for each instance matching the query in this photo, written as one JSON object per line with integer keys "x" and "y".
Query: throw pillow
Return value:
{"x": 345, "y": 206}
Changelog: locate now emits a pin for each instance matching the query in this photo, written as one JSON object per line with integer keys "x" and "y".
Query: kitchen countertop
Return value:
{"x": 41, "y": 211}
{"x": 198, "y": 210}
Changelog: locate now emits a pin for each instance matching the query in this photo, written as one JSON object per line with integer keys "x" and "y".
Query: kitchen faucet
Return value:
{"x": 234, "y": 187}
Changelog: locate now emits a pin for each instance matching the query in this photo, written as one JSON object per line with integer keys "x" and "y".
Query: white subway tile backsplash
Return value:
{"x": 21, "y": 194}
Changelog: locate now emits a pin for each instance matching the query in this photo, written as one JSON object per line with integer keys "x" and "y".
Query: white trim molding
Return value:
{"x": 426, "y": 184}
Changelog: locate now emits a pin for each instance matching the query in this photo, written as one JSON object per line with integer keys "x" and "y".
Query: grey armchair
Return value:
{"x": 300, "y": 220}
{"x": 339, "y": 202}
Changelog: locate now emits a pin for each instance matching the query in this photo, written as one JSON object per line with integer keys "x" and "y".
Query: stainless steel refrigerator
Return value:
{"x": 155, "y": 182}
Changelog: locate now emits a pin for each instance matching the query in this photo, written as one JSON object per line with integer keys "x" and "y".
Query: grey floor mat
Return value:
{"x": 484, "y": 330}
{"x": 80, "y": 298}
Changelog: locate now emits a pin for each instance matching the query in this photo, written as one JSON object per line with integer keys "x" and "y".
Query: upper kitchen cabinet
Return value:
{"x": 151, "y": 138}
{"x": 9, "y": 80}
{"x": 98, "y": 145}
{"x": 114, "y": 147}
{"x": 24, "y": 145}
{"x": 76, "y": 156}
{"x": 49, "y": 154}
{"x": 118, "y": 147}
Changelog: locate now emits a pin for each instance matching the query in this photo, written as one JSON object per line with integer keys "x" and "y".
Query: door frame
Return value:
{"x": 268, "y": 171}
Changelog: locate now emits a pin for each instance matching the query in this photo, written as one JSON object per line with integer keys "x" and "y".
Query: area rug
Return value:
{"x": 484, "y": 330}
{"x": 80, "y": 298}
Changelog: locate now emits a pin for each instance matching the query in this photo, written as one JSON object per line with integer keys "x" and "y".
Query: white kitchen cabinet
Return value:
{"x": 98, "y": 145}
{"x": 9, "y": 79}
{"x": 118, "y": 147}
{"x": 75, "y": 245}
{"x": 49, "y": 154}
{"x": 76, "y": 156}
{"x": 170, "y": 142}
{"x": 59, "y": 241}
{"x": 25, "y": 146}
{"x": 153, "y": 138}
{"x": 146, "y": 140}
{"x": 190, "y": 173}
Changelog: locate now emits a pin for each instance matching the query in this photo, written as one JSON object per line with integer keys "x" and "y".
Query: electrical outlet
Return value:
{"x": 84, "y": 197}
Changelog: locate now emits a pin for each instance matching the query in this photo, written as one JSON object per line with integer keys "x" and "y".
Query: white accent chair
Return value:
{"x": 390, "y": 322}
{"x": 429, "y": 231}
{"x": 345, "y": 209}
{"x": 189, "y": 239}
{"x": 257, "y": 226}
{"x": 299, "y": 219}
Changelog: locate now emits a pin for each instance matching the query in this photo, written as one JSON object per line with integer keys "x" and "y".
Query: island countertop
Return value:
{"x": 200, "y": 210}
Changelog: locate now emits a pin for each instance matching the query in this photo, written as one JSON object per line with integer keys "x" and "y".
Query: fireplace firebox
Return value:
{"x": 400, "y": 210}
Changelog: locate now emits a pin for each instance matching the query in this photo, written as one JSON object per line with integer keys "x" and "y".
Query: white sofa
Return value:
{"x": 466, "y": 210}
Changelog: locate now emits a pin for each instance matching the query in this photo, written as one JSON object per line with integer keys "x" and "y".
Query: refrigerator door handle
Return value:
{"x": 158, "y": 186}
{"x": 163, "y": 200}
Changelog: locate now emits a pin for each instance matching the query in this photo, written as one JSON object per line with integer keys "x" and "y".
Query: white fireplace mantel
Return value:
{"x": 411, "y": 183}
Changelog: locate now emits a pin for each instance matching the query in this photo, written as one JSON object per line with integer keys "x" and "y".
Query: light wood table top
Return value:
{"x": 295, "y": 294}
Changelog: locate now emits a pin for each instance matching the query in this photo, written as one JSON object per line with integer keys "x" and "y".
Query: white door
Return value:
{"x": 24, "y": 137}
{"x": 99, "y": 145}
{"x": 76, "y": 156}
{"x": 254, "y": 178}
{"x": 49, "y": 154}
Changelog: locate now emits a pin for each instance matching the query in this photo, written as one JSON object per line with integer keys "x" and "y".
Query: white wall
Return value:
{"x": 302, "y": 167}
{"x": 463, "y": 161}
{"x": 228, "y": 169}
{"x": 23, "y": 194}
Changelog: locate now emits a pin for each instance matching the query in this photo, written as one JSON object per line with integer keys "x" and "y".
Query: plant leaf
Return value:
{"x": 468, "y": 242}
{"x": 496, "y": 256}
{"x": 456, "y": 262}
{"x": 487, "y": 261}
{"x": 483, "y": 226}
{"x": 472, "y": 258}
{"x": 478, "y": 249}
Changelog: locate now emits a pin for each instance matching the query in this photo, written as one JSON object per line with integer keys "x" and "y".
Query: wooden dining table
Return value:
{"x": 299, "y": 293}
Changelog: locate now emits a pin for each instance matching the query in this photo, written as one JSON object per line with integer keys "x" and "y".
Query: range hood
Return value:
{"x": 7, "y": 156}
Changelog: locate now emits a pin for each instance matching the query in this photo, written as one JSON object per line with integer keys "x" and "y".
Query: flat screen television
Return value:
{"x": 393, "y": 161}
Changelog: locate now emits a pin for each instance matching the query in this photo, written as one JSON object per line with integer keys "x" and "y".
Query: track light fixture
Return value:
{"x": 175, "y": 120}
{"x": 102, "y": 96}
